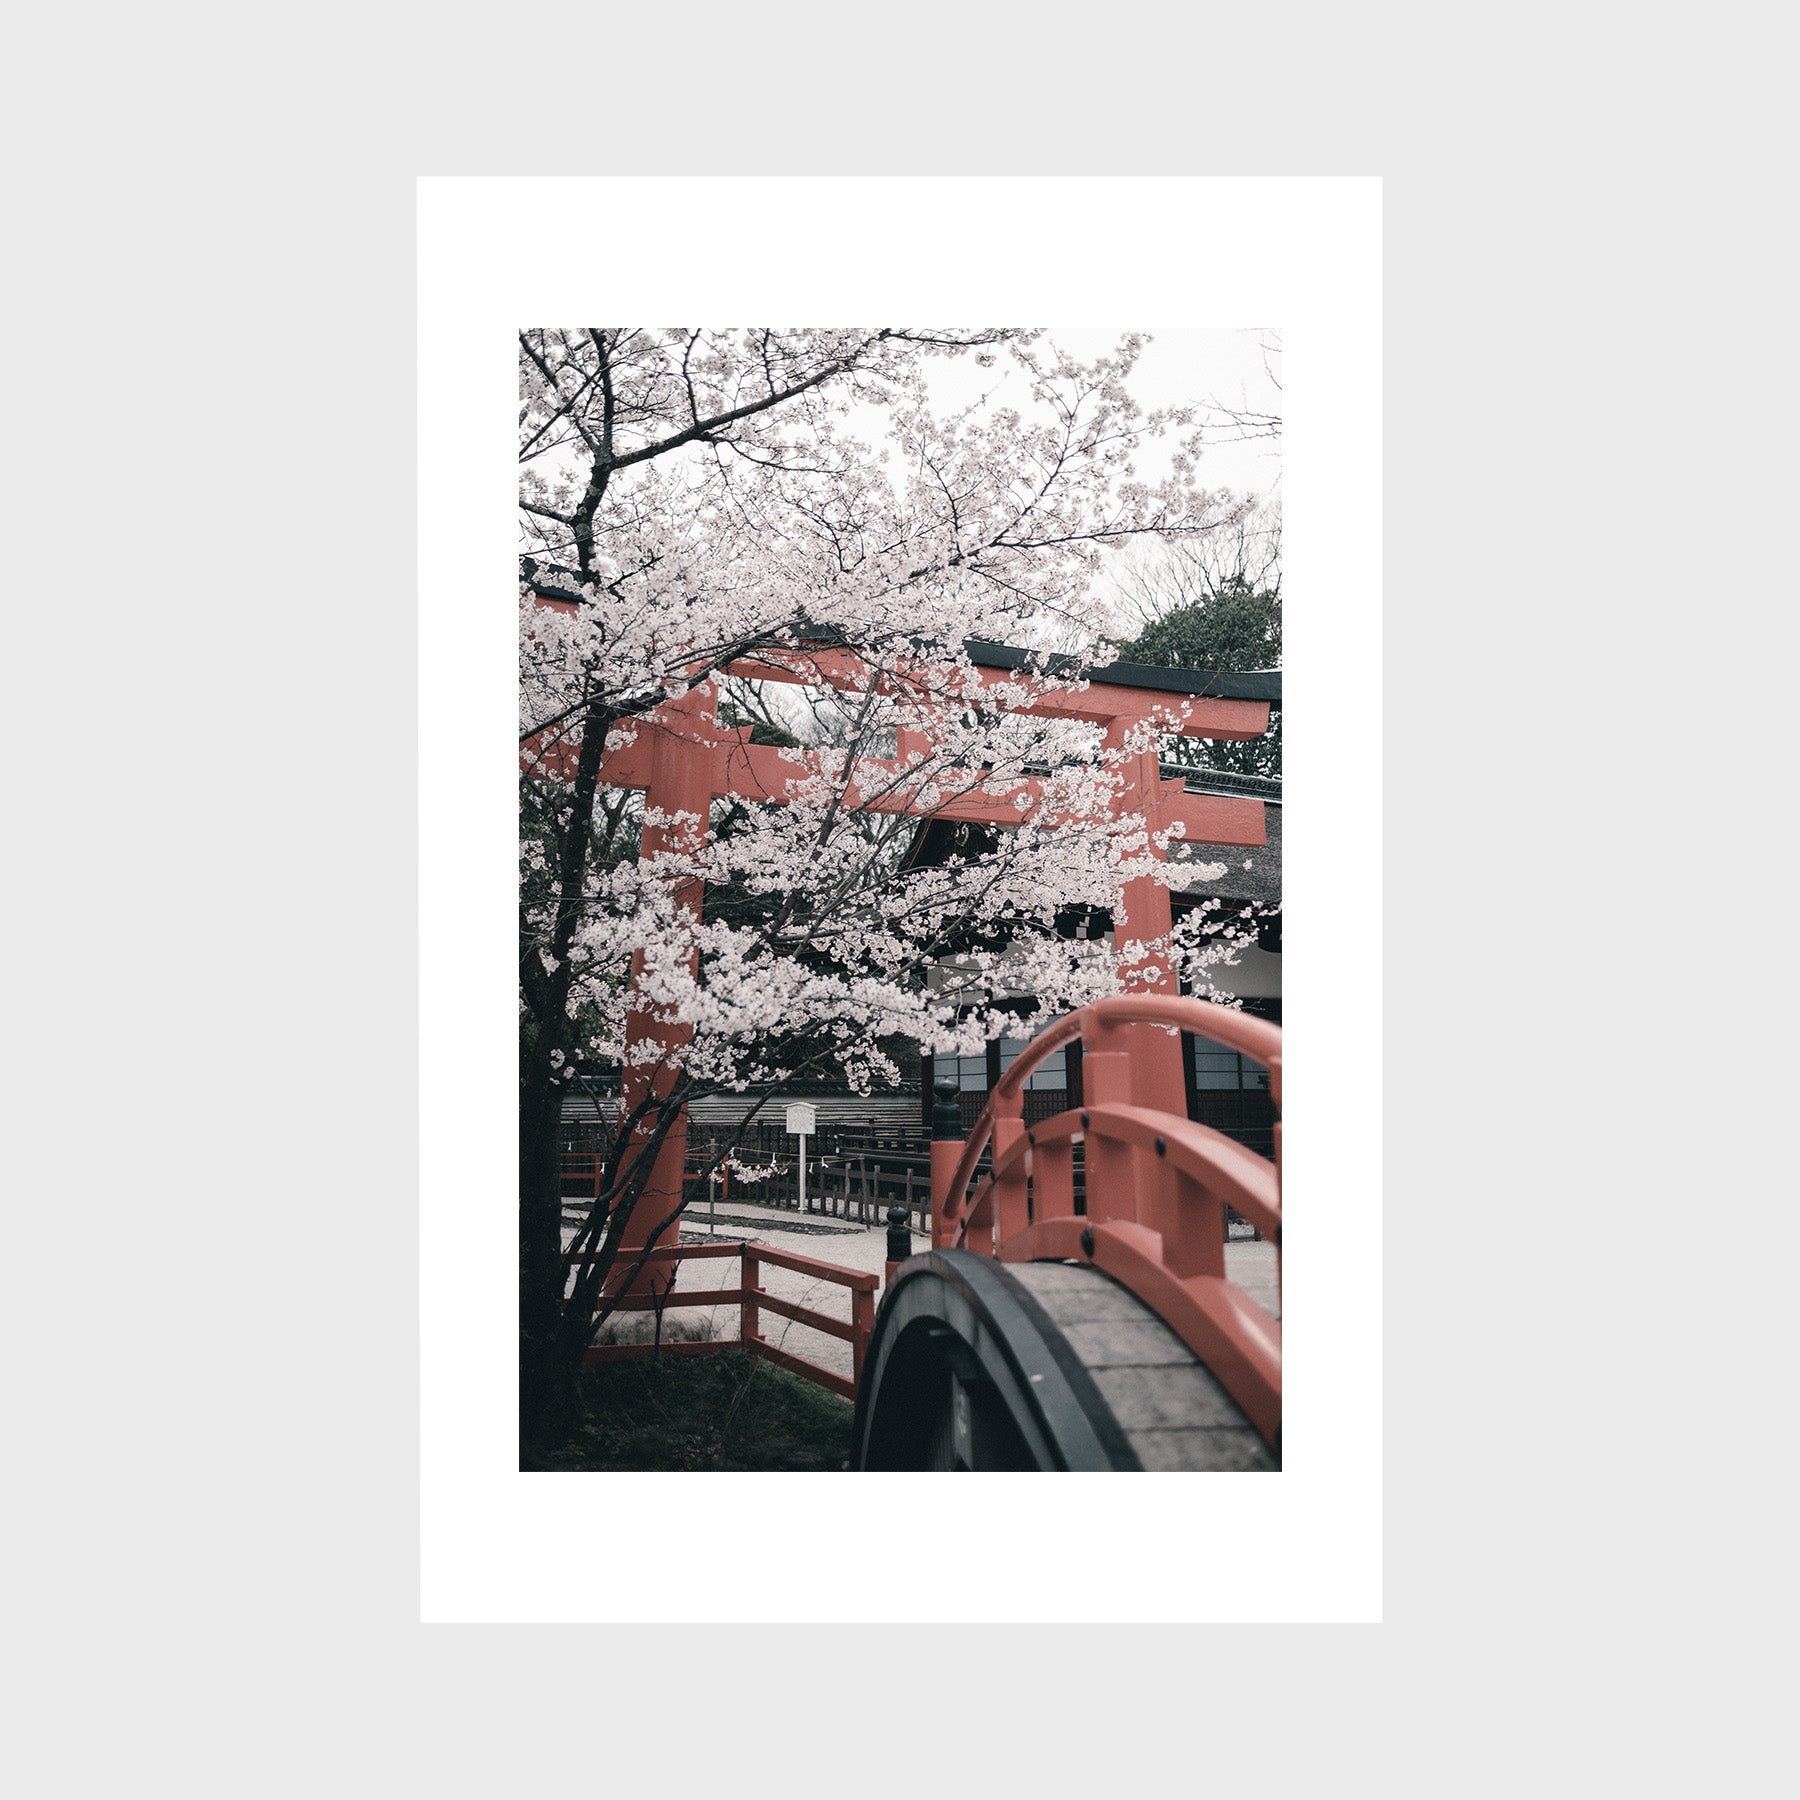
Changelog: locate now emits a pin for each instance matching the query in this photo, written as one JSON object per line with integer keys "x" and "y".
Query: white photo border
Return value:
{"x": 1300, "y": 254}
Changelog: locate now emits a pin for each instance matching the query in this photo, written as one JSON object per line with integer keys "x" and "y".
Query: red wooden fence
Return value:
{"x": 752, "y": 1300}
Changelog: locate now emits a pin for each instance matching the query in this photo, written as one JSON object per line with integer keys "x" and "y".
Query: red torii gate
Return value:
{"x": 683, "y": 759}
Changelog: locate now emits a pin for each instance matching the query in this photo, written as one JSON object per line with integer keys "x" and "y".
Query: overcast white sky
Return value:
{"x": 1233, "y": 368}
{"x": 1177, "y": 368}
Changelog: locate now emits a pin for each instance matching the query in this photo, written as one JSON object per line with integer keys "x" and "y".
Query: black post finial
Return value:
{"x": 899, "y": 1244}
{"x": 946, "y": 1113}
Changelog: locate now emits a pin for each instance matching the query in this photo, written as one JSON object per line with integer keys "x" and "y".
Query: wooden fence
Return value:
{"x": 855, "y": 1169}
{"x": 752, "y": 1300}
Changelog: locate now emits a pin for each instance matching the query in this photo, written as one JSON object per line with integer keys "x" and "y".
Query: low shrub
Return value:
{"x": 718, "y": 1411}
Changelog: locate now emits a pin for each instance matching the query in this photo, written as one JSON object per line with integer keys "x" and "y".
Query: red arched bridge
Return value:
{"x": 1075, "y": 1310}
{"x": 1055, "y": 1328}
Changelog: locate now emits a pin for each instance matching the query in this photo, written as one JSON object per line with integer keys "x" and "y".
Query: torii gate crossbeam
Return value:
{"x": 683, "y": 759}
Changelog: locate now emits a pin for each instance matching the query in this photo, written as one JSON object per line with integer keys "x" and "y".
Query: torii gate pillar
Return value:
{"x": 682, "y": 736}
{"x": 1143, "y": 1067}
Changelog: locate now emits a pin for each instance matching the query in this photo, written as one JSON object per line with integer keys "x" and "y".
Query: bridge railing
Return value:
{"x": 1156, "y": 1187}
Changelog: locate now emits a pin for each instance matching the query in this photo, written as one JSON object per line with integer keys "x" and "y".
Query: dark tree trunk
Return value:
{"x": 546, "y": 1373}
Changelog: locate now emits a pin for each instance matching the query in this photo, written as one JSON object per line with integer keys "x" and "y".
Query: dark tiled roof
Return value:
{"x": 1260, "y": 884}
{"x": 1247, "y": 684}
{"x": 1225, "y": 781}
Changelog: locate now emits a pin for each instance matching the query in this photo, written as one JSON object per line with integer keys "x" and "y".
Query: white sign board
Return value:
{"x": 802, "y": 1115}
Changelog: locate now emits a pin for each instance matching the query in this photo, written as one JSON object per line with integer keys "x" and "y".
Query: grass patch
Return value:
{"x": 720, "y": 1411}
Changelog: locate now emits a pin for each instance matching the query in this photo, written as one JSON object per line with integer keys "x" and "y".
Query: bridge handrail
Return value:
{"x": 1244, "y": 1032}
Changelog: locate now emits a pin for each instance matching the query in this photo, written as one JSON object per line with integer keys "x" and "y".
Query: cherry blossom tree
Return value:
{"x": 782, "y": 529}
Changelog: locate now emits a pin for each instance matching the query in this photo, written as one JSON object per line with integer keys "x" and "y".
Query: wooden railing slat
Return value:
{"x": 806, "y": 1265}
{"x": 804, "y": 1315}
{"x": 798, "y": 1365}
{"x": 650, "y": 1302}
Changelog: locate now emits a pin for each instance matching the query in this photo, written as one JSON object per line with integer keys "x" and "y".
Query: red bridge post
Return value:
{"x": 946, "y": 1153}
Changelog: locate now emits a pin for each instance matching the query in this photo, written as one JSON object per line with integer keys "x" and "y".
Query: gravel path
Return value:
{"x": 1250, "y": 1263}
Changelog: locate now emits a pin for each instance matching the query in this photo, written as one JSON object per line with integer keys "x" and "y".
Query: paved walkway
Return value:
{"x": 1250, "y": 1263}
